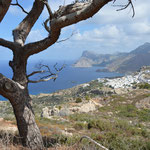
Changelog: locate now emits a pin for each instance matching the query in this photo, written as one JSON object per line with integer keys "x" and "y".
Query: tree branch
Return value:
{"x": 51, "y": 75}
{"x": 65, "y": 16}
{"x": 93, "y": 141}
{"x": 4, "y": 5}
{"x": 17, "y": 4}
{"x": 21, "y": 32}
{"x": 8, "y": 44}
{"x": 66, "y": 38}
{"x": 7, "y": 86}
{"x": 9, "y": 89}
{"x": 74, "y": 13}
{"x": 36, "y": 47}
{"x": 48, "y": 8}
{"x": 35, "y": 72}
{"x": 42, "y": 80}
{"x": 45, "y": 25}
{"x": 126, "y": 6}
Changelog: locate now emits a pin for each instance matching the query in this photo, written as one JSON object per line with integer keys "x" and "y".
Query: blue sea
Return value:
{"x": 67, "y": 77}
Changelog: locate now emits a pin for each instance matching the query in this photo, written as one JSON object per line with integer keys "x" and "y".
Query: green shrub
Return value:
{"x": 144, "y": 86}
{"x": 127, "y": 111}
{"x": 102, "y": 125}
{"x": 59, "y": 107}
{"x": 78, "y": 100}
{"x": 87, "y": 98}
{"x": 122, "y": 124}
{"x": 144, "y": 115}
{"x": 80, "y": 125}
{"x": 80, "y": 117}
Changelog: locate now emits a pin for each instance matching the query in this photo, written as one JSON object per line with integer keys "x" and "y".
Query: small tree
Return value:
{"x": 16, "y": 89}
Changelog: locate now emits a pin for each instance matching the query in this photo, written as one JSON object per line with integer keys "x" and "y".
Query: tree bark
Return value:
{"x": 4, "y": 5}
{"x": 28, "y": 130}
{"x": 16, "y": 91}
{"x": 21, "y": 102}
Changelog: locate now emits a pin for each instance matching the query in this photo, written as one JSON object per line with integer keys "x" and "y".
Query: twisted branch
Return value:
{"x": 8, "y": 44}
{"x": 35, "y": 72}
{"x": 66, "y": 38}
{"x": 48, "y": 8}
{"x": 130, "y": 3}
{"x": 51, "y": 75}
{"x": 45, "y": 25}
{"x": 17, "y": 4}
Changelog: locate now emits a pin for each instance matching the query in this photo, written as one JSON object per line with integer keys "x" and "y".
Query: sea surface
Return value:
{"x": 67, "y": 77}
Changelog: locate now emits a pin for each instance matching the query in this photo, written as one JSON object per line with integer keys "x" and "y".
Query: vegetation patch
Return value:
{"x": 144, "y": 86}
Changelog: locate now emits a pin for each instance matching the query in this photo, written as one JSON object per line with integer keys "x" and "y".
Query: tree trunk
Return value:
{"x": 28, "y": 130}
{"x": 21, "y": 102}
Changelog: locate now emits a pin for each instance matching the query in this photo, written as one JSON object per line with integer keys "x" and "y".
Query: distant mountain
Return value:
{"x": 120, "y": 62}
{"x": 89, "y": 59}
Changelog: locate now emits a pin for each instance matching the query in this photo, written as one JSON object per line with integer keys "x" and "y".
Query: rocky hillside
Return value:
{"x": 113, "y": 112}
{"x": 122, "y": 62}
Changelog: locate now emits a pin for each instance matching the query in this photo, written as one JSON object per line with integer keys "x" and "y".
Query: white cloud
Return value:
{"x": 140, "y": 28}
{"x": 111, "y": 31}
{"x": 108, "y": 31}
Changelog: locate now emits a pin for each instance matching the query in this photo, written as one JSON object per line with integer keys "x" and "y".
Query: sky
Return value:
{"x": 109, "y": 31}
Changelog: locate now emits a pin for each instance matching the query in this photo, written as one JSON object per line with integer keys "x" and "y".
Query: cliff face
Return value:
{"x": 121, "y": 62}
{"x": 89, "y": 59}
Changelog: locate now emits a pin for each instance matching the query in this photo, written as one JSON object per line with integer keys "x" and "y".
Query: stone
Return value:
{"x": 144, "y": 103}
{"x": 48, "y": 113}
{"x": 79, "y": 108}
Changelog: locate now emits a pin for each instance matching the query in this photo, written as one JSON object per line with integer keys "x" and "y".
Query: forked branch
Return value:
{"x": 35, "y": 72}
{"x": 64, "y": 16}
{"x": 43, "y": 80}
{"x": 49, "y": 74}
{"x": 63, "y": 40}
{"x": 17, "y": 4}
{"x": 46, "y": 26}
{"x": 130, "y": 3}
{"x": 48, "y": 8}
{"x": 8, "y": 87}
{"x": 21, "y": 32}
{"x": 8, "y": 44}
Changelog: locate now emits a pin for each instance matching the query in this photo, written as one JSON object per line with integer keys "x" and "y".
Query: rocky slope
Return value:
{"x": 121, "y": 62}
{"x": 113, "y": 112}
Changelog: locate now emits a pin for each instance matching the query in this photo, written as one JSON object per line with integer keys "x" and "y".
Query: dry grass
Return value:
{"x": 11, "y": 142}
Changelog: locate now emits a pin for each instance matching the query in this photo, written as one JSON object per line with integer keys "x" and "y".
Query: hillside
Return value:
{"x": 113, "y": 112}
{"x": 121, "y": 62}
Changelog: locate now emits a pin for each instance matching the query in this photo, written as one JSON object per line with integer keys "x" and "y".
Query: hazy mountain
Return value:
{"x": 120, "y": 62}
{"x": 89, "y": 59}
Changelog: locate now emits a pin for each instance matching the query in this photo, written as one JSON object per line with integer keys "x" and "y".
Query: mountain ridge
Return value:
{"x": 119, "y": 62}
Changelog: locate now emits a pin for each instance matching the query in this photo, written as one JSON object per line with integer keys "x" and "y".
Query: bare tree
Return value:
{"x": 16, "y": 89}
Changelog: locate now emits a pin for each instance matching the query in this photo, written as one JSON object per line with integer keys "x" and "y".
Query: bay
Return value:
{"x": 67, "y": 77}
